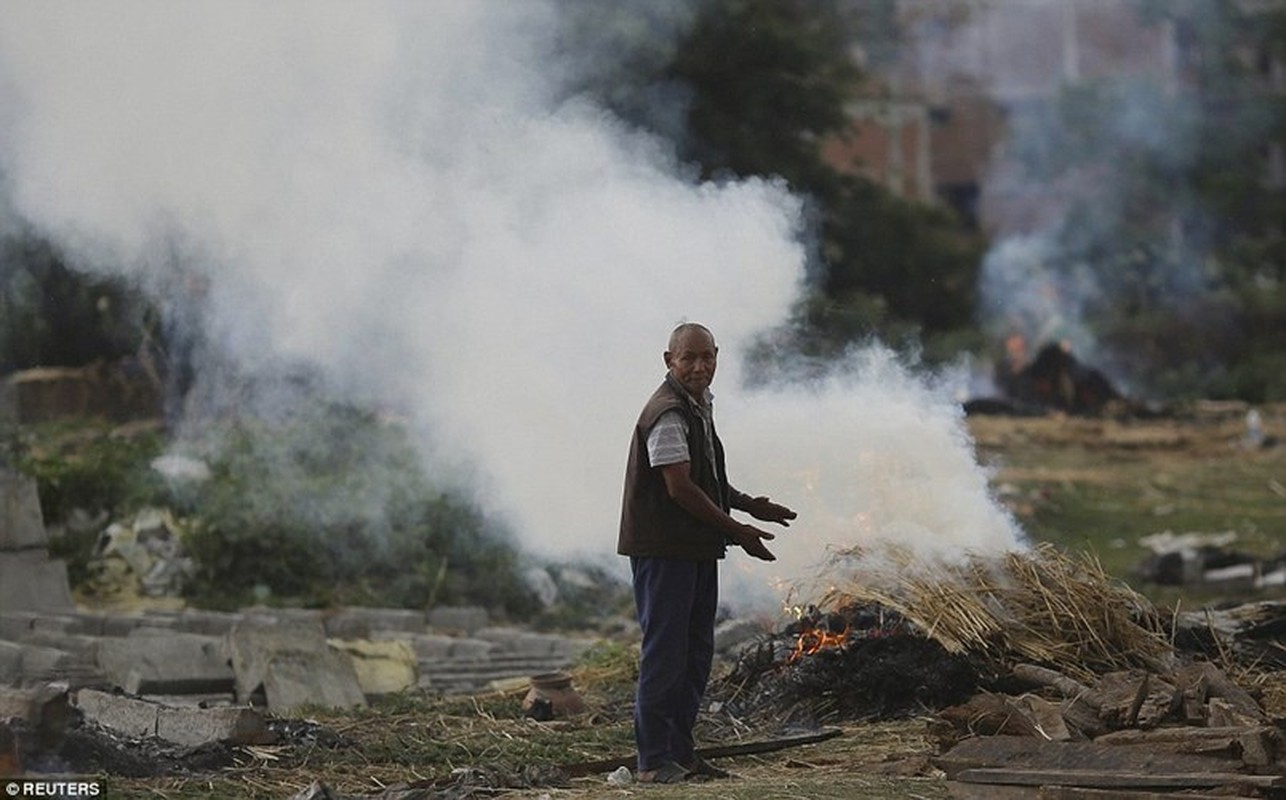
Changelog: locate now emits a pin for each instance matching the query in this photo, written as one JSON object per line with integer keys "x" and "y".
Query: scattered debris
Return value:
{"x": 1071, "y": 679}
{"x": 143, "y": 556}
{"x": 1205, "y": 559}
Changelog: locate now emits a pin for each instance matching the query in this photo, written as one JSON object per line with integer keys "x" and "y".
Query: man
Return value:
{"x": 675, "y": 526}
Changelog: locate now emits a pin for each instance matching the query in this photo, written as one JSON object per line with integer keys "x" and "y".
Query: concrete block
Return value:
{"x": 120, "y": 624}
{"x": 29, "y": 581}
{"x": 85, "y": 623}
{"x": 53, "y": 623}
{"x": 534, "y": 645}
{"x": 501, "y": 636}
{"x": 195, "y": 726}
{"x": 159, "y": 619}
{"x": 572, "y": 648}
{"x": 471, "y": 650}
{"x": 21, "y": 524}
{"x": 10, "y": 663}
{"x": 206, "y": 623}
{"x": 361, "y": 623}
{"x": 43, "y": 705}
{"x": 157, "y": 661}
{"x": 458, "y": 619}
{"x": 84, "y": 648}
{"x": 283, "y": 615}
{"x": 128, "y": 715}
{"x": 427, "y": 646}
{"x": 382, "y": 667}
{"x": 15, "y": 625}
{"x": 41, "y": 664}
{"x": 137, "y": 717}
{"x": 293, "y": 664}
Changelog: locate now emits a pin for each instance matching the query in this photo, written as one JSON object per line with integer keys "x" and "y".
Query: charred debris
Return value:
{"x": 1039, "y": 671}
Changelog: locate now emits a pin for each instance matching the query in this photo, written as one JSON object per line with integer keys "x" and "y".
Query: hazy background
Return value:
{"x": 420, "y": 207}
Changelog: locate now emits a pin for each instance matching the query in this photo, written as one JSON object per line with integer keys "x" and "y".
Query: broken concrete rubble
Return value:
{"x": 29, "y": 579}
{"x": 1208, "y": 560}
{"x": 292, "y": 664}
{"x": 139, "y": 717}
{"x": 184, "y": 652}
{"x": 160, "y": 661}
{"x": 381, "y": 667}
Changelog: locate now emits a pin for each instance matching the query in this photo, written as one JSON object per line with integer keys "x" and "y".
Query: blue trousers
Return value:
{"x": 676, "y": 602}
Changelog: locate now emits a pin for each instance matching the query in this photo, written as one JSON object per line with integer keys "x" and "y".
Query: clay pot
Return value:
{"x": 551, "y": 695}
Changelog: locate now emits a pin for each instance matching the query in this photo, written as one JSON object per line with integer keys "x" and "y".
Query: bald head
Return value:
{"x": 692, "y": 358}
{"x": 684, "y": 329}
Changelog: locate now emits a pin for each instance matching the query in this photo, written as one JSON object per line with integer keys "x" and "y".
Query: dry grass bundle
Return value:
{"x": 1042, "y": 606}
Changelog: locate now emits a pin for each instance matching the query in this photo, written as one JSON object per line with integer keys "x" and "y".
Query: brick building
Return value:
{"x": 932, "y": 120}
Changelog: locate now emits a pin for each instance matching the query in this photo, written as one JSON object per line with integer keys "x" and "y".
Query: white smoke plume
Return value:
{"x": 400, "y": 197}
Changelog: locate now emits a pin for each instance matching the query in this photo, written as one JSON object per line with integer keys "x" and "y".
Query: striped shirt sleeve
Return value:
{"x": 667, "y": 443}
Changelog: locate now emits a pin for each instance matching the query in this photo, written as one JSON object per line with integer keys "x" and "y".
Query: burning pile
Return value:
{"x": 1041, "y": 606}
{"x": 907, "y": 641}
{"x": 859, "y": 662}
{"x": 1055, "y": 380}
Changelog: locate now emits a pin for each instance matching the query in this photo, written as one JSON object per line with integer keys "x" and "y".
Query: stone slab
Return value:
{"x": 206, "y": 623}
{"x": 29, "y": 581}
{"x": 15, "y": 625}
{"x": 128, "y": 715}
{"x": 382, "y": 667}
{"x": 82, "y": 647}
{"x": 195, "y": 726}
{"x": 160, "y": 661}
{"x": 466, "y": 649}
{"x": 188, "y": 726}
{"x": 294, "y": 665}
{"x": 427, "y": 646}
{"x": 41, "y": 664}
{"x": 41, "y": 705}
{"x": 362, "y": 622}
{"x": 21, "y": 524}
{"x": 10, "y": 663}
{"x": 458, "y": 619}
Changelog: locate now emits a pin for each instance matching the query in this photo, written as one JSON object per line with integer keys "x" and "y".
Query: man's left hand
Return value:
{"x": 768, "y": 511}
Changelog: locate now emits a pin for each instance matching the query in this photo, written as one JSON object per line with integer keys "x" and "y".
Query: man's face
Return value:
{"x": 692, "y": 361}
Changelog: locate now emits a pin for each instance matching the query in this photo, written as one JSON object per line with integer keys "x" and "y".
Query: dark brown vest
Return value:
{"x": 651, "y": 523}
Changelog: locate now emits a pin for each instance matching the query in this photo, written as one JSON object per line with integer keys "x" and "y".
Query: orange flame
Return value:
{"x": 814, "y": 640}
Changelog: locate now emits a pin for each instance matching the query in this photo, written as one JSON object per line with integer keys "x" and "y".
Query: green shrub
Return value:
{"x": 86, "y": 467}
{"x": 333, "y": 508}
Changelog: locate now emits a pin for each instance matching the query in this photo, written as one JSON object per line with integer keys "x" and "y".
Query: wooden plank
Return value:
{"x": 1023, "y": 752}
{"x": 1219, "y": 685}
{"x": 1087, "y": 793}
{"x": 1069, "y": 688}
{"x": 988, "y": 791}
{"x": 717, "y": 751}
{"x": 1098, "y": 778}
{"x": 1255, "y": 745}
{"x": 994, "y": 791}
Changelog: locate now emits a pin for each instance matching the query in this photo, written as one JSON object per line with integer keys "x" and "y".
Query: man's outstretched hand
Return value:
{"x": 768, "y": 511}
{"x": 752, "y": 539}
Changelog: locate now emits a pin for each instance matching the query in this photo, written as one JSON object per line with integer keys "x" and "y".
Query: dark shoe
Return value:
{"x": 700, "y": 768}
{"x": 668, "y": 772}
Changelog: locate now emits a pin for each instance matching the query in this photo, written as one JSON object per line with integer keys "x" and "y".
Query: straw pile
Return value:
{"x": 1041, "y": 606}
